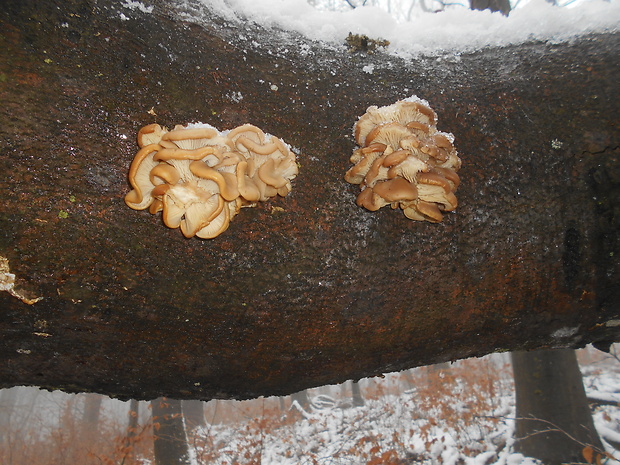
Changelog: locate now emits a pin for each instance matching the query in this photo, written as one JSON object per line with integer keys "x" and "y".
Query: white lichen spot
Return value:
{"x": 235, "y": 96}
{"x": 369, "y": 69}
{"x": 564, "y": 332}
{"x": 7, "y": 283}
{"x": 557, "y": 144}
{"x": 274, "y": 87}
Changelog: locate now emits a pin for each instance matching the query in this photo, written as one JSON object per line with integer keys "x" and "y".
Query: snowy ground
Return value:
{"x": 461, "y": 414}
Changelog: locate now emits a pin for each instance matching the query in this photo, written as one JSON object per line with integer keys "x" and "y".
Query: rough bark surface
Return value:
{"x": 318, "y": 290}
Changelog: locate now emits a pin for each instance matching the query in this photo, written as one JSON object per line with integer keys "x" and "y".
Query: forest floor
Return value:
{"x": 456, "y": 414}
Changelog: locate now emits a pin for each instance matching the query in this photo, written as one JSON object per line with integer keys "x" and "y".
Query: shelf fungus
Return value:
{"x": 404, "y": 161}
{"x": 199, "y": 177}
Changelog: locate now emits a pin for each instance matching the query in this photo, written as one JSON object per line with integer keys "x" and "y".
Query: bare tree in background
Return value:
{"x": 90, "y": 416}
{"x": 194, "y": 414}
{"x": 301, "y": 398}
{"x": 133, "y": 417}
{"x": 503, "y": 6}
{"x": 404, "y": 9}
{"x": 8, "y": 399}
{"x": 170, "y": 442}
{"x": 554, "y": 422}
{"x": 356, "y": 394}
{"x": 132, "y": 428}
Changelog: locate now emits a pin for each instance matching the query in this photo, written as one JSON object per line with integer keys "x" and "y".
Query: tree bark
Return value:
{"x": 316, "y": 290}
{"x": 554, "y": 422}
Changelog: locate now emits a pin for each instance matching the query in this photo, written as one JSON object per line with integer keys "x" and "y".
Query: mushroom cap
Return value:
{"x": 189, "y": 205}
{"x": 376, "y": 173}
{"x": 288, "y": 168}
{"x": 269, "y": 174}
{"x": 184, "y": 154}
{"x": 196, "y": 136}
{"x": 430, "y": 211}
{"x": 396, "y": 158}
{"x": 412, "y": 213}
{"x": 246, "y": 185}
{"x": 443, "y": 140}
{"x": 408, "y": 168}
{"x": 390, "y": 134}
{"x": 435, "y": 179}
{"x": 139, "y": 178}
{"x": 200, "y": 215}
{"x": 418, "y": 128}
{"x": 249, "y": 131}
{"x": 357, "y": 173}
{"x": 164, "y": 173}
{"x": 250, "y": 139}
{"x": 450, "y": 175}
{"x": 437, "y": 195}
{"x": 403, "y": 160}
{"x": 199, "y": 178}
{"x": 402, "y": 112}
{"x": 150, "y": 134}
{"x": 191, "y": 132}
{"x": 453, "y": 162}
{"x": 219, "y": 224}
{"x": 369, "y": 200}
{"x": 396, "y": 190}
{"x": 227, "y": 185}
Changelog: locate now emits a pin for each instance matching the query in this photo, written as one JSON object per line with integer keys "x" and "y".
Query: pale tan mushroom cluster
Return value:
{"x": 404, "y": 161}
{"x": 199, "y": 177}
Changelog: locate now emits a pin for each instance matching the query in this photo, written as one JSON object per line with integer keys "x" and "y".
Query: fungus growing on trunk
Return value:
{"x": 404, "y": 161}
{"x": 199, "y": 177}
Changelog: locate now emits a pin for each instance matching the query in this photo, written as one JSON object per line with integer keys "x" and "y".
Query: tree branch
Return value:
{"x": 317, "y": 290}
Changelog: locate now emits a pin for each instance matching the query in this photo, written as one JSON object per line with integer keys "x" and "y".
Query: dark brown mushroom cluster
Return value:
{"x": 404, "y": 161}
{"x": 199, "y": 177}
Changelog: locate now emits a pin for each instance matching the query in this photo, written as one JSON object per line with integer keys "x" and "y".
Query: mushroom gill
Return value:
{"x": 404, "y": 161}
{"x": 199, "y": 177}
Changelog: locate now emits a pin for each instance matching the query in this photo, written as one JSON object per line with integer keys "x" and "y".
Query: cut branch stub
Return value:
{"x": 404, "y": 161}
{"x": 199, "y": 178}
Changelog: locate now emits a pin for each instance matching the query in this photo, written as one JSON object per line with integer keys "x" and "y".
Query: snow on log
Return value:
{"x": 307, "y": 289}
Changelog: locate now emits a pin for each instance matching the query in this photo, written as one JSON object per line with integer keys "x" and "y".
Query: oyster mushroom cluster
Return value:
{"x": 404, "y": 161}
{"x": 199, "y": 177}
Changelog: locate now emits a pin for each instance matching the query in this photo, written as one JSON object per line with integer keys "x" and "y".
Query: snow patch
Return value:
{"x": 369, "y": 69}
{"x": 454, "y": 29}
{"x": 137, "y": 6}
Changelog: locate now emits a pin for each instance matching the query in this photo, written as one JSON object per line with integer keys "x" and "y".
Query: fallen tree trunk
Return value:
{"x": 316, "y": 290}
